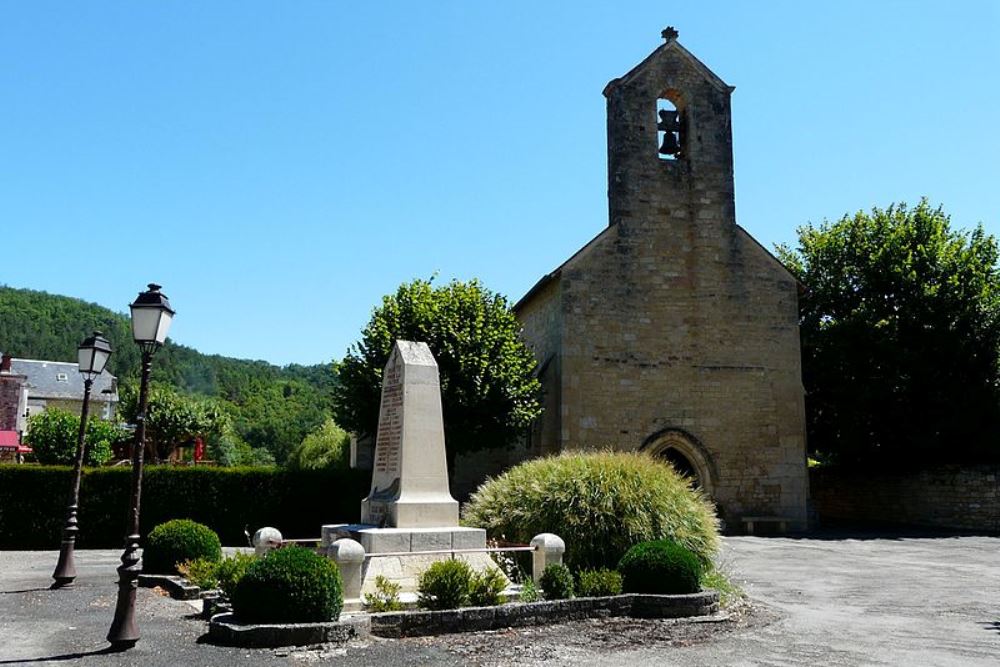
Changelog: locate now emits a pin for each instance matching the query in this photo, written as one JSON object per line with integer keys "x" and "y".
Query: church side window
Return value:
{"x": 669, "y": 133}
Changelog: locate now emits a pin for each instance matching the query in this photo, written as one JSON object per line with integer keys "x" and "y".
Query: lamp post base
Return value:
{"x": 123, "y": 633}
{"x": 65, "y": 573}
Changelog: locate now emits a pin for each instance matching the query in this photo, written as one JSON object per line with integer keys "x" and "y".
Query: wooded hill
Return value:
{"x": 273, "y": 407}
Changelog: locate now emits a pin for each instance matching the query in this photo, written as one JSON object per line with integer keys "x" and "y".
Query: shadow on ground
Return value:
{"x": 65, "y": 656}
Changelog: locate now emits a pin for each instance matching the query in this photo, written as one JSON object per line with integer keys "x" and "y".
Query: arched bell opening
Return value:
{"x": 671, "y": 125}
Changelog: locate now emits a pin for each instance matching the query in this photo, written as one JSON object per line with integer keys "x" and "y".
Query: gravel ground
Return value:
{"x": 812, "y": 601}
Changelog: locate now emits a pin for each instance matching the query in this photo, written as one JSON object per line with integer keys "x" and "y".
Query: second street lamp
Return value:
{"x": 92, "y": 357}
{"x": 151, "y": 318}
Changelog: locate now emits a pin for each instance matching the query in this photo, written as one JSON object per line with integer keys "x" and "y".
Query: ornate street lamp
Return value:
{"x": 151, "y": 317}
{"x": 92, "y": 357}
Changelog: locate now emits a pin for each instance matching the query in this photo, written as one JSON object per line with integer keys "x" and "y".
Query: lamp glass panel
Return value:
{"x": 145, "y": 322}
{"x": 85, "y": 359}
{"x": 163, "y": 326}
{"x": 100, "y": 361}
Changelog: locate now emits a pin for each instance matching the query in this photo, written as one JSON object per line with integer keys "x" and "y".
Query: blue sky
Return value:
{"x": 278, "y": 167}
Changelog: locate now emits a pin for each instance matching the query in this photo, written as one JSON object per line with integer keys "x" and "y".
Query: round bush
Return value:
{"x": 290, "y": 585}
{"x": 177, "y": 541}
{"x": 600, "y": 503}
{"x": 445, "y": 585}
{"x": 660, "y": 567}
{"x": 557, "y": 582}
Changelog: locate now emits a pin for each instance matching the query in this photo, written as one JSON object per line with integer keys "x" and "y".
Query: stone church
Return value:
{"x": 673, "y": 331}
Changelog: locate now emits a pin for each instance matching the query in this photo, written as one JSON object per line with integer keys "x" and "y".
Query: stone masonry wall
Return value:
{"x": 10, "y": 401}
{"x": 949, "y": 496}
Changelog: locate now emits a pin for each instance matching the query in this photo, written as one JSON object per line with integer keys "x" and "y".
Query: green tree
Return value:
{"x": 488, "y": 386}
{"x": 172, "y": 419}
{"x": 326, "y": 447}
{"x": 900, "y": 326}
{"x": 53, "y": 434}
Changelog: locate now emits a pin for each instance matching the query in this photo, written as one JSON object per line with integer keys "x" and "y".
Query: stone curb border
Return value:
{"x": 178, "y": 587}
{"x": 224, "y": 630}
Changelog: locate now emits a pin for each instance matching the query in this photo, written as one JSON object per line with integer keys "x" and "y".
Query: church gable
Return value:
{"x": 674, "y": 320}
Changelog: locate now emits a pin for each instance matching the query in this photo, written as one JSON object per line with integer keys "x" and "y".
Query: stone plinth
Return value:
{"x": 402, "y": 554}
{"x": 410, "y": 474}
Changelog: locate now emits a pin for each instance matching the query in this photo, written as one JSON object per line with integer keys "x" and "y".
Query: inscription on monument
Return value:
{"x": 389, "y": 439}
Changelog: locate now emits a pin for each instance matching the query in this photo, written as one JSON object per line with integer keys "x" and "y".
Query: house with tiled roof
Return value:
{"x": 28, "y": 386}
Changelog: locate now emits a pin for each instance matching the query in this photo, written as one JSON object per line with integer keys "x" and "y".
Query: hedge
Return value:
{"x": 33, "y": 502}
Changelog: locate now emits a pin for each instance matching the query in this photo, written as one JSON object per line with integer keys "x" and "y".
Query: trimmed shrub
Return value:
{"x": 385, "y": 597}
{"x": 231, "y": 569}
{"x": 557, "y": 582}
{"x": 201, "y": 572}
{"x": 598, "y": 583}
{"x": 660, "y": 567}
{"x": 529, "y": 591}
{"x": 445, "y": 585}
{"x": 486, "y": 588}
{"x": 290, "y": 585}
{"x": 228, "y": 500}
{"x": 600, "y": 503}
{"x": 174, "y": 542}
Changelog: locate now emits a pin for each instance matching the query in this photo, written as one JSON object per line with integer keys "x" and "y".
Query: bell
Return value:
{"x": 669, "y": 145}
{"x": 669, "y": 121}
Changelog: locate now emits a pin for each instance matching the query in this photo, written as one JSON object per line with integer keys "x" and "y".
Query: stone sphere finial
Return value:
{"x": 669, "y": 33}
{"x": 266, "y": 539}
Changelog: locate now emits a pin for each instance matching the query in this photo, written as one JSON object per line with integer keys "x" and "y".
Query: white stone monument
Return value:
{"x": 409, "y": 519}
{"x": 410, "y": 473}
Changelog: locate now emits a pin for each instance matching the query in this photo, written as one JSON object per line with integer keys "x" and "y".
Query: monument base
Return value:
{"x": 423, "y": 513}
{"x": 401, "y": 555}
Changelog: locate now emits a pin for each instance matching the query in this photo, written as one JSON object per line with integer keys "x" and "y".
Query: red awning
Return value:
{"x": 10, "y": 440}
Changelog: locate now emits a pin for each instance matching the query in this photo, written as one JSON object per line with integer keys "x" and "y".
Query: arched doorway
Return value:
{"x": 685, "y": 454}
{"x": 681, "y": 464}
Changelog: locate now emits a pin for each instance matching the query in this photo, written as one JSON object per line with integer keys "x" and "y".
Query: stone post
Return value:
{"x": 265, "y": 539}
{"x": 350, "y": 558}
{"x": 549, "y": 550}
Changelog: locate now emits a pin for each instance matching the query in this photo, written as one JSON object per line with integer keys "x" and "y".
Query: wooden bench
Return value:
{"x": 750, "y": 521}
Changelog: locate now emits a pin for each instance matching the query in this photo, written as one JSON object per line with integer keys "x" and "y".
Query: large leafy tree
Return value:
{"x": 172, "y": 419}
{"x": 329, "y": 446}
{"x": 489, "y": 390}
{"x": 900, "y": 326}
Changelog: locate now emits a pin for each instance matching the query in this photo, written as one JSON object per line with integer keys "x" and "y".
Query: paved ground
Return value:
{"x": 912, "y": 601}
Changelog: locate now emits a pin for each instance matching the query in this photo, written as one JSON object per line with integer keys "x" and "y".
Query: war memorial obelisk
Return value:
{"x": 409, "y": 519}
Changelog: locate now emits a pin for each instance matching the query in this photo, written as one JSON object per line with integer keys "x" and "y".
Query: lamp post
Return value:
{"x": 151, "y": 317}
{"x": 92, "y": 357}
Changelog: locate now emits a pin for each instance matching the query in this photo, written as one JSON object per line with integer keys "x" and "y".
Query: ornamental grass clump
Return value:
{"x": 662, "y": 567}
{"x": 290, "y": 585}
{"x": 600, "y": 503}
{"x": 177, "y": 541}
